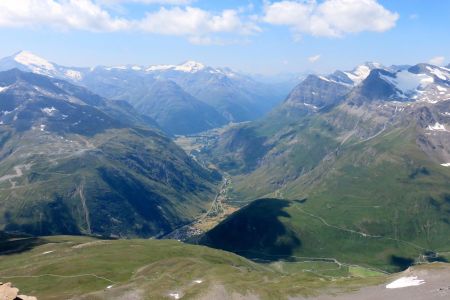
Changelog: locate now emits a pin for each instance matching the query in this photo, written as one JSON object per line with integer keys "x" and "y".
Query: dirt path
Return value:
{"x": 19, "y": 173}
{"x": 357, "y": 232}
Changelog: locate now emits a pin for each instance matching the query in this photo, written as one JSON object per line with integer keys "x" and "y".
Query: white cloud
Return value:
{"x": 197, "y": 25}
{"x": 331, "y": 18}
{"x": 437, "y": 61}
{"x": 163, "y": 2}
{"x": 66, "y": 14}
{"x": 315, "y": 58}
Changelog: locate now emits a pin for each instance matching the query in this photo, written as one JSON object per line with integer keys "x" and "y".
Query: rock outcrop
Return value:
{"x": 9, "y": 292}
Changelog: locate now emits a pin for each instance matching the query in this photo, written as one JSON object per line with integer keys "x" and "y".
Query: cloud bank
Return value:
{"x": 329, "y": 18}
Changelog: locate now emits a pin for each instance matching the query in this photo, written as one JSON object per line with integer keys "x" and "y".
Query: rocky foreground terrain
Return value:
{"x": 9, "y": 292}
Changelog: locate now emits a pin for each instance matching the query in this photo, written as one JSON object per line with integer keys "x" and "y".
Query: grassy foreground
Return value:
{"x": 67, "y": 267}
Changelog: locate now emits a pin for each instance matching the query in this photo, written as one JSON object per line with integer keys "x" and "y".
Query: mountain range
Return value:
{"x": 352, "y": 166}
{"x": 204, "y": 96}
{"x": 72, "y": 162}
{"x": 361, "y": 162}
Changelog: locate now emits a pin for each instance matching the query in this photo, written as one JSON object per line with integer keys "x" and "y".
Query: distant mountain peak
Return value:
{"x": 361, "y": 72}
{"x": 30, "y": 59}
{"x": 190, "y": 67}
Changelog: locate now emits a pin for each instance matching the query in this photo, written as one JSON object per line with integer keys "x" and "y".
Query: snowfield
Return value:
{"x": 405, "y": 282}
{"x": 49, "y": 110}
{"x": 437, "y": 127}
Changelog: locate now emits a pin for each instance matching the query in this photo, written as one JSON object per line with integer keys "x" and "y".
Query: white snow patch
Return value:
{"x": 116, "y": 68}
{"x": 47, "y": 252}
{"x": 29, "y": 59}
{"x": 49, "y": 110}
{"x": 310, "y": 105}
{"x": 159, "y": 68}
{"x": 42, "y": 127}
{"x": 446, "y": 165}
{"x": 438, "y": 73}
{"x": 324, "y": 78}
{"x": 136, "y": 68}
{"x": 175, "y": 295}
{"x": 75, "y": 75}
{"x": 3, "y": 88}
{"x": 359, "y": 74}
{"x": 198, "y": 281}
{"x": 409, "y": 82}
{"x": 190, "y": 67}
{"x": 437, "y": 127}
{"x": 441, "y": 89}
{"x": 109, "y": 286}
{"x": 405, "y": 282}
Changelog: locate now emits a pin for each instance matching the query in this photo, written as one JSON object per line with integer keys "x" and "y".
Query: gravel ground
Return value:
{"x": 436, "y": 286}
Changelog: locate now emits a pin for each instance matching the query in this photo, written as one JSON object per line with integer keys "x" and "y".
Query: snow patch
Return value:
{"x": 359, "y": 74}
{"x": 109, "y": 286}
{"x": 50, "y": 111}
{"x": 436, "y": 72}
{"x": 75, "y": 75}
{"x": 3, "y": 88}
{"x": 441, "y": 89}
{"x": 116, "y": 68}
{"x": 159, "y": 68}
{"x": 310, "y": 105}
{"x": 408, "y": 82}
{"x": 190, "y": 67}
{"x": 42, "y": 127}
{"x": 47, "y": 252}
{"x": 324, "y": 78}
{"x": 198, "y": 281}
{"x": 175, "y": 295}
{"x": 29, "y": 59}
{"x": 437, "y": 127}
{"x": 446, "y": 165}
{"x": 405, "y": 282}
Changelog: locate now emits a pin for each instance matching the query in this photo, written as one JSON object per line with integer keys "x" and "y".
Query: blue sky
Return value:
{"x": 253, "y": 36}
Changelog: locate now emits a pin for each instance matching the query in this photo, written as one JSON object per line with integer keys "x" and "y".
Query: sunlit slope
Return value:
{"x": 65, "y": 267}
{"x": 382, "y": 202}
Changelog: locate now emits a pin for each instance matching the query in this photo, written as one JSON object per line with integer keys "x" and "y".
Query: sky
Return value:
{"x": 254, "y": 36}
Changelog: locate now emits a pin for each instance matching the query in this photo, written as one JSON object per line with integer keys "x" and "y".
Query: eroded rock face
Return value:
{"x": 8, "y": 292}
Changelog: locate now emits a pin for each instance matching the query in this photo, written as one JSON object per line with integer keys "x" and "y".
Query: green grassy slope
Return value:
{"x": 128, "y": 182}
{"x": 62, "y": 267}
{"x": 72, "y": 162}
{"x": 365, "y": 195}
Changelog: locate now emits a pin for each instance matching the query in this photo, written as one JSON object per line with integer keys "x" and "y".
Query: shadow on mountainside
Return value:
{"x": 13, "y": 244}
{"x": 255, "y": 232}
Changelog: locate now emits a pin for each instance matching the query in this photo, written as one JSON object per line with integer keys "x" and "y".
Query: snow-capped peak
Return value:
{"x": 33, "y": 61}
{"x": 160, "y": 68}
{"x": 190, "y": 67}
{"x": 361, "y": 72}
{"x": 187, "y": 67}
